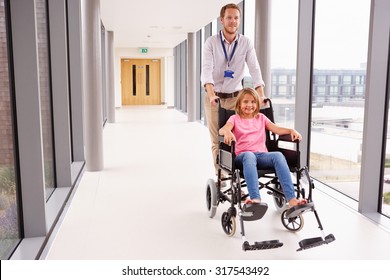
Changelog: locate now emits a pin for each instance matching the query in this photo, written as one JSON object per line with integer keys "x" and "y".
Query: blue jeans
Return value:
{"x": 250, "y": 162}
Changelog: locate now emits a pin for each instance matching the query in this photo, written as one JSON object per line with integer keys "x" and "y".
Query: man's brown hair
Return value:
{"x": 229, "y": 6}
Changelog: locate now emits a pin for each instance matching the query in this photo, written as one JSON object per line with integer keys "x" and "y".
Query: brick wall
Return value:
{"x": 6, "y": 133}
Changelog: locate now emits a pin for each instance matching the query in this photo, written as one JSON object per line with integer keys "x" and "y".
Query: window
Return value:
{"x": 347, "y": 80}
{"x": 340, "y": 50}
{"x": 284, "y": 32}
{"x": 282, "y": 90}
{"x": 333, "y": 90}
{"x": 282, "y": 79}
{"x": 334, "y": 80}
{"x": 346, "y": 91}
{"x": 321, "y": 80}
{"x": 10, "y": 232}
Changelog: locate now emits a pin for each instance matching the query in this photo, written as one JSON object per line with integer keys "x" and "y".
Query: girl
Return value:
{"x": 247, "y": 129}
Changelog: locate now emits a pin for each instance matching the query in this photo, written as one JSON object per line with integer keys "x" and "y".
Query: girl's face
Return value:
{"x": 248, "y": 106}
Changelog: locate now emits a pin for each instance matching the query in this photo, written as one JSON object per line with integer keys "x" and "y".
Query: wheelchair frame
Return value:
{"x": 291, "y": 218}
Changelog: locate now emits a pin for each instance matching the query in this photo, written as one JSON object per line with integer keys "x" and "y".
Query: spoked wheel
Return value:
{"x": 228, "y": 224}
{"x": 279, "y": 200}
{"x": 211, "y": 198}
{"x": 292, "y": 224}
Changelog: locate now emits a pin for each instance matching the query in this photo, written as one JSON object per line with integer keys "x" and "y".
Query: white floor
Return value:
{"x": 149, "y": 204}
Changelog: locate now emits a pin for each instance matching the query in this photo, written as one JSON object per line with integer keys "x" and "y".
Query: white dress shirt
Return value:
{"x": 215, "y": 63}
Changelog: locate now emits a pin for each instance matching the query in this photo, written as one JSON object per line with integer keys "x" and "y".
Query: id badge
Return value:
{"x": 228, "y": 74}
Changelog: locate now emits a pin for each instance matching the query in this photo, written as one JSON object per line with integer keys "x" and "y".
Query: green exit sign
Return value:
{"x": 143, "y": 50}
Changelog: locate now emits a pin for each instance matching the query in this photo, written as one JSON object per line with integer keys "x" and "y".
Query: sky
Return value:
{"x": 341, "y": 33}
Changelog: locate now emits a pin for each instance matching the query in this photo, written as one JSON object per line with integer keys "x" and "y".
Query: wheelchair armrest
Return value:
{"x": 226, "y": 153}
{"x": 290, "y": 150}
{"x": 285, "y": 142}
{"x": 221, "y": 139}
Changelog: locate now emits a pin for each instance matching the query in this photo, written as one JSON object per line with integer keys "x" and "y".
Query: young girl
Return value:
{"x": 247, "y": 129}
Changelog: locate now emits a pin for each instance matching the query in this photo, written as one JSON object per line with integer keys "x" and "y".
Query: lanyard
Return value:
{"x": 224, "y": 49}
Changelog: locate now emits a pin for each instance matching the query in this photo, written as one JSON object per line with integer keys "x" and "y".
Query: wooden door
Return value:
{"x": 140, "y": 81}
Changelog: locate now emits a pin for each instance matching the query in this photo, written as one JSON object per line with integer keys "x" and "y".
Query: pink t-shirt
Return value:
{"x": 249, "y": 133}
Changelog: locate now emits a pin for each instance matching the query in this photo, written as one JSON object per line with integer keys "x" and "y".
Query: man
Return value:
{"x": 224, "y": 57}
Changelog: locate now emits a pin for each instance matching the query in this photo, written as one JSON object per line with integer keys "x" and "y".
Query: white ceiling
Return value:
{"x": 157, "y": 23}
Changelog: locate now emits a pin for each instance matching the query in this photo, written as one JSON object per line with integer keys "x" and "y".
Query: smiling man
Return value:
{"x": 224, "y": 57}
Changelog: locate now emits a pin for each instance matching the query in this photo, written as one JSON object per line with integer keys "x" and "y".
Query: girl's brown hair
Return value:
{"x": 240, "y": 96}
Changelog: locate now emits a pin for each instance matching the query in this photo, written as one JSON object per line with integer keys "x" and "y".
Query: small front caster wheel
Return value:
{"x": 228, "y": 224}
{"x": 292, "y": 223}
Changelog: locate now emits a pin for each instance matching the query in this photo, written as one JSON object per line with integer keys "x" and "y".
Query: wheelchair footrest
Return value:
{"x": 263, "y": 245}
{"x": 315, "y": 242}
{"x": 299, "y": 209}
{"x": 253, "y": 211}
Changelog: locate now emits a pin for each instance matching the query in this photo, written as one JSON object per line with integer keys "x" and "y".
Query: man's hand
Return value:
{"x": 263, "y": 101}
{"x": 212, "y": 97}
{"x": 260, "y": 91}
{"x": 214, "y": 100}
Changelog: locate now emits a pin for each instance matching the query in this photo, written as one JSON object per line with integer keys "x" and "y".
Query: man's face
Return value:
{"x": 231, "y": 21}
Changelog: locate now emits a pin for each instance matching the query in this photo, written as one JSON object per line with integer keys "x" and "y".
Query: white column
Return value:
{"x": 263, "y": 41}
{"x": 92, "y": 74}
{"x": 304, "y": 64}
{"x": 60, "y": 91}
{"x": 374, "y": 108}
{"x": 76, "y": 80}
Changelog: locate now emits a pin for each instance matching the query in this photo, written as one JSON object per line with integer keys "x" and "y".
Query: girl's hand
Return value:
{"x": 295, "y": 135}
{"x": 228, "y": 138}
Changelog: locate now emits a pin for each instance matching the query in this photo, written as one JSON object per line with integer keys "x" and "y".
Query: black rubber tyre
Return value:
{"x": 211, "y": 198}
{"x": 279, "y": 201}
{"x": 292, "y": 224}
{"x": 228, "y": 224}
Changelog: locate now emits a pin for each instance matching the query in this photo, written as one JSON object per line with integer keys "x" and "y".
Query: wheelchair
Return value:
{"x": 291, "y": 217}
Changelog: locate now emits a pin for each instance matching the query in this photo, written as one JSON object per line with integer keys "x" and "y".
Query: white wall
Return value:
{"x": 167, "y": 71}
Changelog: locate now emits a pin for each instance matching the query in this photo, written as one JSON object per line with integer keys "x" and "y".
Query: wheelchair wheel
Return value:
{"x": 279, "y": 200}
{"x": 292, "y": 224}
{"x": 211, "y": 198}
{"x": 228, "y": 224}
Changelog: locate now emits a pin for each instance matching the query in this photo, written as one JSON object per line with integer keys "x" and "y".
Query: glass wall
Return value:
{"x": 283, "y": 22}
{"x": 284, "y": 33}
{"x": 339, "y": 69}
{"x": 29, "y": 158}
{"x": 385, "y": 203}
{"x": 10, "y": 232}
{"x": 45, "y": 94}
